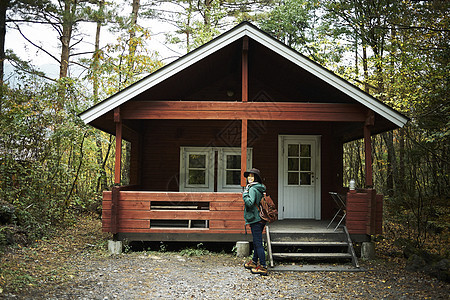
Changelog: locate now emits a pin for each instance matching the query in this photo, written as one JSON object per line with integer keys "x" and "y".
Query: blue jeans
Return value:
{"x": 258, "y": 249}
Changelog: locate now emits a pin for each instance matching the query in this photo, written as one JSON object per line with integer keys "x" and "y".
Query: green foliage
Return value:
{"x": 41, "y": 154}
{"x": 118, "y": 66}
{"x": 198, "y": 251}
{"x": 198, "y": 22}
{"x": 52, "y": 166}
{"x": 292, "y": 23}
{"x": 409, "y": 70}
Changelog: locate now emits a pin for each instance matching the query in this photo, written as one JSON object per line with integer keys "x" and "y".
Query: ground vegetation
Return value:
{"x": 53, "y": 167}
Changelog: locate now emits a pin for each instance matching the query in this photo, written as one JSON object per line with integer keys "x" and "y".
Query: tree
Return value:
{"x": 62, "y": 16}
{"x": 198, "y": 22}
{"x": 100, "y": 17}
{"x": 408, "y": 70}
{"x": 419, "y": 86}
{"x": 401, "y": 63}
{"x": 292, "y": 22}
{"x": 3, "y": 7}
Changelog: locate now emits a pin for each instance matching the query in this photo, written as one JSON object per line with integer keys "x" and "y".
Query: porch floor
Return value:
{"x": 303, "y": 226}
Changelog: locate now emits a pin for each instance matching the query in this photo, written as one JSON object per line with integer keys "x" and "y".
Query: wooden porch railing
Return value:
{"x": 364, "y": 212}
{"x": 128, "y": 211}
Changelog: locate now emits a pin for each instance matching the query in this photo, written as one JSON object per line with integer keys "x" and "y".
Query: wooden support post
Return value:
{"x": 244, "y": 151}
{"x": 118, "y": 158}
{"x": 368, "y": 149}
{"x": 115, "y": 209}
{"x": 245, "y": 70}
{"x": 244, "y": 99}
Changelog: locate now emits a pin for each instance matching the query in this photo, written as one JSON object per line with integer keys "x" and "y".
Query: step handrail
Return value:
{"x": 350, "y": 248}
{"x": 269, "y": 246}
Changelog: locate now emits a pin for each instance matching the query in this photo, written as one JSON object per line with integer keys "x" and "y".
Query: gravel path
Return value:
{"x": 75, "y": 265}
{"x": 171, "y": 276}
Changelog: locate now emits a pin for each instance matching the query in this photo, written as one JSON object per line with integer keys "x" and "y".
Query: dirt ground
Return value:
{"x": 74, "y": 264}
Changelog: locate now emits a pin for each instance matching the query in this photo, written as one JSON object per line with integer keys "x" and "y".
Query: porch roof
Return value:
{"x": 212, "y": 72}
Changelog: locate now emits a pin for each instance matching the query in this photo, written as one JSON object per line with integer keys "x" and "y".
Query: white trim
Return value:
{"x": 226, "y": 39}
{"x": 210, "y": 169}
{"x": 318, "y": 175}
{"x": 221, "y": 167}
{"x": 209, "y": 176}
{"x": 161, "y": 75}
{"x": 327, "y": 76}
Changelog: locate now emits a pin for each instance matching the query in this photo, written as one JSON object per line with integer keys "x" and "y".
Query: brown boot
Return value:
{"x": 250, "y": 265}
{"x": 260, "y": 270}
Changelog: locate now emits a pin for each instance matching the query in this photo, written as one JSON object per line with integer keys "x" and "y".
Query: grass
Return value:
{"x": 45, "y": 261}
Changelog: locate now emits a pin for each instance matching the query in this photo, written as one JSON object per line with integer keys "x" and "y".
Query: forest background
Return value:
{"x": 54, "y": 168}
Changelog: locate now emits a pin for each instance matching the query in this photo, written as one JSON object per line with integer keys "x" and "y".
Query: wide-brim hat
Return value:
{"x": 253, "y": 171}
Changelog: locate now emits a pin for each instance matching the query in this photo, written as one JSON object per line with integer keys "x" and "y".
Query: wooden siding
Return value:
{"x": 161, "y": 142}
{"x": 215, "y": 110}
{"x": 364, "y": 212}
{"x": 134, "y": 212}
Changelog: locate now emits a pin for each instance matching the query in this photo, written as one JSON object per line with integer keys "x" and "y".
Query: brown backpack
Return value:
{"x": 267, "y": 209}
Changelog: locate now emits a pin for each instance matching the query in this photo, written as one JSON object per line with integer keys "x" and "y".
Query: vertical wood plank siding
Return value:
{"x": 225, "y": 214}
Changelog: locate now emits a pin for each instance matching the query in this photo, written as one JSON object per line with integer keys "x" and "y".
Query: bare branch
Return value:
{"x": 32, "y": 72}
{"x": 82, "y": 53}
{"x": 37, "y": 46}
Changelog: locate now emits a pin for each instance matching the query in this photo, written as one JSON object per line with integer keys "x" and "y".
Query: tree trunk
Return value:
{"x": 96, "y": 54}
{"x": 365, "y": 68}
{"x": 69, "y": 7}
{"x": 134, "y": 13}
{"x": 188, "y": 26}
{"x": 401, "y": 185}
{"x": 102, "y": 182}
{"x": 391, "y": 162}
{"x": 207, "y": 12}
{"x": 3, "y": 6}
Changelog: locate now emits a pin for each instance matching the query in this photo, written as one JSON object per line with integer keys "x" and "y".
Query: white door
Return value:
{"x": 299, "y": 177}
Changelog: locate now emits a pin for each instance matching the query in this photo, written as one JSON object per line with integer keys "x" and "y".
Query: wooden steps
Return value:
{"x": 319, "y": 245}
{"x": 309, "y": 244}
{"x": 312, "y": 255}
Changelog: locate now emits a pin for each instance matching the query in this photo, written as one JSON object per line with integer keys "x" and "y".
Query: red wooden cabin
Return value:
{"x": 244, "y": 94}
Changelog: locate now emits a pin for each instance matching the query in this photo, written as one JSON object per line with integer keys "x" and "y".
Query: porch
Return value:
{"x": 173, "y": 216}
{"x": 218, "y": 217}
{"x": 212, "y": 216}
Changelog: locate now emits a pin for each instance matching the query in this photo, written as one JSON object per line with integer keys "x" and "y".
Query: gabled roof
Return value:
{"x": 229, "y": 37}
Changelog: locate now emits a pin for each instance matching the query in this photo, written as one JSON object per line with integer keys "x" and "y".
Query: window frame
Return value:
{"x": 210, "y": 169}
{"x": 208, "y": 186}
{"x": 300, "y": 171}
{"x": 222, "y": 186}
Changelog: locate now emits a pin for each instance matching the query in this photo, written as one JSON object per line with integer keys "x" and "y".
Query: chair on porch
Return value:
{"x": 341, "y": 212}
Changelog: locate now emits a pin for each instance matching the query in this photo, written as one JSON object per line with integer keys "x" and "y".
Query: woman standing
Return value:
{"x": 252, "y": 195}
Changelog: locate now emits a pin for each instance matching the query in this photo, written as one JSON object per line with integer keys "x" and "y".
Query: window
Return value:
{"x": 229, "y": 169}
{"x": 299, "y": 164}
{"x": 197, "y": 171}
{"x": 232, "y": 169}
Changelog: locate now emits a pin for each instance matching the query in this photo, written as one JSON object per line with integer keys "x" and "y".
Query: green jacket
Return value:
{"x": 251, "y": 195}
